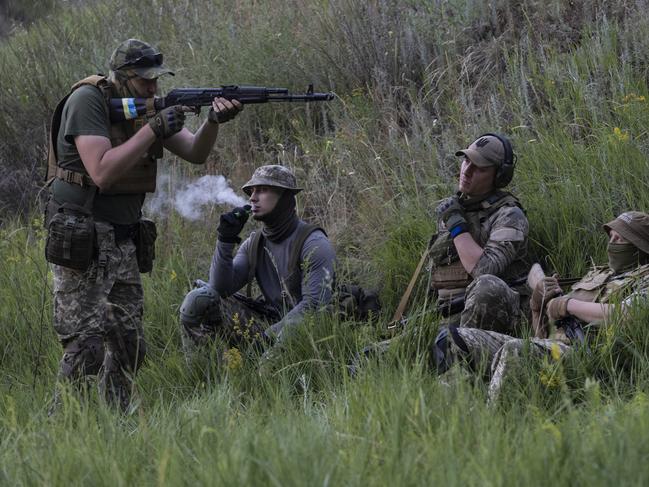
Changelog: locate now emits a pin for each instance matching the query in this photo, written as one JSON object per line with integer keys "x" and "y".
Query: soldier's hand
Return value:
{"x": 451, "y": 212}
{"x": 168, "y": 122}
{"x": 231, "y": 224}
{"x": 557, "y": 308}
{"x": 545, "y": 290}
{"x": 223, "y": 110}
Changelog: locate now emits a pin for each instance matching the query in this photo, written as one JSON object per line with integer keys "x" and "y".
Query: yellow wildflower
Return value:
{"x": 232, "y": 359}
{"x": 621, "y": 135}
{"x": 555, "y": 351}
{"x": 173, "y": 275}
{"x": 549, "y": 379}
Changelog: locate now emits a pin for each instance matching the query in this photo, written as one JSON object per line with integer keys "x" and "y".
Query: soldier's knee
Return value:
{"x": 82, "y": 356}
{"x": 486, "y": 287}
{"x": 200, "y": 304}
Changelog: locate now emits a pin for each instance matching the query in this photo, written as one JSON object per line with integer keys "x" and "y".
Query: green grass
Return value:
{"x": 415, "y": 81}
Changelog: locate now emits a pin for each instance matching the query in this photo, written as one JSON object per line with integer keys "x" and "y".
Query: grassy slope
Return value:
{"x": 416, "y": 80}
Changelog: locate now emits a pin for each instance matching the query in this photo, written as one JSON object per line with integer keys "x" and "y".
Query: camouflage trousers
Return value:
{"x": 495, "y": 354}
{"x": 489, "y": 304}
{"x": 98, "y": 319}
{"x": 237, "y": 320}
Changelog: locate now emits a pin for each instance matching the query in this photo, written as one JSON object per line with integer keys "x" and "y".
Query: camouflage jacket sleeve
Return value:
{"x": 507, "y": 230}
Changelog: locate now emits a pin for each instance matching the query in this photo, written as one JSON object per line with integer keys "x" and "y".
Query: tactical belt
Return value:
{"x": 73, "y": 177}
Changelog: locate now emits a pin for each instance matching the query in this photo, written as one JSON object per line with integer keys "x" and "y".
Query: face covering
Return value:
{"x": 622, "y": 256}
{"x": 282, "y": 220}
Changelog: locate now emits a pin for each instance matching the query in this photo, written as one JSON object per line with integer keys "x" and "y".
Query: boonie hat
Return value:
{"x": 140, "y": 57}
{"x": 485, "y": 151}
{"x": 634, "y": 227}
{"x": 272, "y": 175}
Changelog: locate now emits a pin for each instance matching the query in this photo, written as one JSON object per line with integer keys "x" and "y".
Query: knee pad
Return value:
{"x": 199, "y": 304}
{"x": 82, "y": 356}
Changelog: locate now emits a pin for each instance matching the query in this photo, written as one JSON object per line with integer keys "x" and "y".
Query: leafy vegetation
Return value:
{"x": 415, "y": 81}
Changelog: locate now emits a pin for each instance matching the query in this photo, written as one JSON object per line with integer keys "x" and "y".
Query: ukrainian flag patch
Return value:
{"x": 129, "y": 108}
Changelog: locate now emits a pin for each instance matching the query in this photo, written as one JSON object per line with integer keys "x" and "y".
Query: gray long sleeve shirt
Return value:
{"x": 229, "y": 274}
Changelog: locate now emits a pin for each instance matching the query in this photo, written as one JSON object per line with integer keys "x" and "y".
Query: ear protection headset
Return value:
{"x": 505, "y": 171}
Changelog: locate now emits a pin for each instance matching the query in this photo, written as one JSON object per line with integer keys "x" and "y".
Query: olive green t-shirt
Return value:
{"x": 85, "y": 113}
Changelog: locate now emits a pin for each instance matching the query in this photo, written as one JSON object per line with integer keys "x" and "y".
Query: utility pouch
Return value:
{"x": 71, "y": 237}
{"x": 145, "y": 245}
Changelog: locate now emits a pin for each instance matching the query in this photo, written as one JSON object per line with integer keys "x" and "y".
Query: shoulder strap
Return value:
{"x": 253, "y": 254}
{"x": 53, "y": 171}
{"x": 296, "y": 249}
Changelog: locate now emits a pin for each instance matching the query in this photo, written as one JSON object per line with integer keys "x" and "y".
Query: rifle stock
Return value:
{"x": 122, "y": 109}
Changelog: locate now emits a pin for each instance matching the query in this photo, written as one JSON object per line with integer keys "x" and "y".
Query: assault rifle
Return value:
{"x": 122, "y": 109}
{"x": 571, "y": 325}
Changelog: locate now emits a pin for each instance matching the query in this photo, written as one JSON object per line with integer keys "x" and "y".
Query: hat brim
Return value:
{"x": 152, "y": 72}
{"x": 628, "y": 234}
{"x": 247, "y": 188}
{"x": 476, "y": 158}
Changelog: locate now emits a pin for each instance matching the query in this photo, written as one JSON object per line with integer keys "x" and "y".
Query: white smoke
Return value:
{"x": 191, "y": 199}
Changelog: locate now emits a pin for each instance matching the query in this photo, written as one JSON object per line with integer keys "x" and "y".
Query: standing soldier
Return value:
{"x": 99, "y": 173}
{"x": 478, "y": 269}
{"x": 292, "y": 262}
{"x": 591, "y": 300}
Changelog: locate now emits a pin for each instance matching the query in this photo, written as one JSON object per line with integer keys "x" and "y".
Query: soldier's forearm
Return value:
{"x": 587, "y": 311}
{"x": 468, "y": 251}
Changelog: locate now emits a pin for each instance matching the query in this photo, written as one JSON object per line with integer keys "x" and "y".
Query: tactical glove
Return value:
{"x": 557, "y": 308}
{"x": 224, "y": 115}
{"x": 545, "y": 290}
{"x": 451, "y": 212}
{"x": 168, "y": 122}
{"x": 231, "y": 224}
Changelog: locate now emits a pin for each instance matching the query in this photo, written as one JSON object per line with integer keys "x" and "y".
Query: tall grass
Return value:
{"x": 415, "y": 82}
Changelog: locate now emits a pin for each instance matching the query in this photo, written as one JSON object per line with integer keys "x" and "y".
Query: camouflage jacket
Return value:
{"x": 498, "y": 224}
{"x": 602, "y": 285}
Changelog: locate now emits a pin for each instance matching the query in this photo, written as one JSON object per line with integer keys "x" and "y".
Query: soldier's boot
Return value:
{"x": 449, "y": 346}
{"x": 123, "y": 356}
{"x": 82, "y": 357}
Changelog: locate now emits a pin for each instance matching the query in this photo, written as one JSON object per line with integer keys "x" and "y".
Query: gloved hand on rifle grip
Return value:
{"x": 231, "y": 224}
{"x": 223, "y": 110}
{"x": 543, "y": 292}
{"x": 451, "y": 212}
{"x": 168, "y": 122}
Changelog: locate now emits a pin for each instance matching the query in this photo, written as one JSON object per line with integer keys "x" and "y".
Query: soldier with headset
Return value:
{"x": 478, "y": 266}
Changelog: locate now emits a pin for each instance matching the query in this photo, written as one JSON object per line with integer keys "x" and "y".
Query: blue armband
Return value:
{"x": 458, "y": 229}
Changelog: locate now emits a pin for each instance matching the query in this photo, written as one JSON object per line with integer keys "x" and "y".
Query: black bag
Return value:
{"x": 145, "y": 245}
{"x": 357, "y": 303}
{"x": 71, "y": 237}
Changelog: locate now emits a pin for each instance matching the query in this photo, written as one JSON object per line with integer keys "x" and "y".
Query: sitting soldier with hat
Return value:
{"x": 593, "y": 299}
{"x": 292, "y": 262}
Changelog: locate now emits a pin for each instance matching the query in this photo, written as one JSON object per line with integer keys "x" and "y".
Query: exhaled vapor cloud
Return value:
{"x": 191, "y": 199}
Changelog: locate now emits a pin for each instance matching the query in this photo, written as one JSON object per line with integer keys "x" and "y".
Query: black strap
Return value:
{"x": 253, "y": 255}
{"x": 295, "y": 254}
